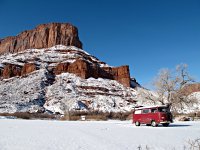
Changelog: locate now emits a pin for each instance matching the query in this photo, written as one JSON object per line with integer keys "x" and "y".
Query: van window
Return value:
{"x": 163, "y": 109}
{"x": 138, "y": 111}
{"x": 145, "y": 111}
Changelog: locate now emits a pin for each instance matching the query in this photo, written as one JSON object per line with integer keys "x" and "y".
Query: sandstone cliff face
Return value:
{"x": 28, "y": 68}
{"x": 66, "y": 58}
{"x": 12, "y": 70}
{"x": 85, "y": 70}
{"x": 188, "y": 89}
{"x": 122, "y": 75}
{"x": 43, "y": 36}
{"x": 48, "y": 68}
{"x": 80, "y": 67}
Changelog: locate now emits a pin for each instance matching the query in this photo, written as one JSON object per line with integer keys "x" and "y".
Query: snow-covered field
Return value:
{"x": 93, "y": 135}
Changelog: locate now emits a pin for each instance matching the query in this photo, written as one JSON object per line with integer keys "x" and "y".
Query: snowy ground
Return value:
{"x": 93, "y": 135}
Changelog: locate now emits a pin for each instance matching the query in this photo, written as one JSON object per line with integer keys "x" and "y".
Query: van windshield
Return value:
{"x": 163, "y": 109}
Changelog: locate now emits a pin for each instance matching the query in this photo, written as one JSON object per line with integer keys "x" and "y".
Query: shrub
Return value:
{"x": 96, "y": 115}
{"x": 27, "y": 115}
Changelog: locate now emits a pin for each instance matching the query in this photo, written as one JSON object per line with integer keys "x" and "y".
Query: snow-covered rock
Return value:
{"x": 42, "y": 89}
{"x": 23, "y": 94}
{"x": 39, "y": 88}
{"x": 52, "y": 55}
{"x": 90, "y": 94}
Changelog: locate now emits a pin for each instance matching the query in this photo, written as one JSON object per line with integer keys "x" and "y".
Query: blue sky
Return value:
{"x": 147, "y": 35}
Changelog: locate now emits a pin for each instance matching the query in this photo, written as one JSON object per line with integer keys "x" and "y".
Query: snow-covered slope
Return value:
{"x": 192, "y": 107}
{"x": 41, "y": 90}
{"x": 92, "y": 94}
{"x": 49, "y": 56}
{"x": 23, "y": 94}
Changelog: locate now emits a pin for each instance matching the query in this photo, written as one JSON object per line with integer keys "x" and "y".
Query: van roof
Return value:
{"x": 146, "y": 107}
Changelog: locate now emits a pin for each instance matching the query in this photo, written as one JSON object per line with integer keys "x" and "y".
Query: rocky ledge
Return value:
{"x": 61, "y": 59}
{"x": 43, "y": 36}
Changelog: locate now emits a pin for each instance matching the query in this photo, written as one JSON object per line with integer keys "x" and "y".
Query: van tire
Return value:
{"x": 137, "y": 123}
{"x": 165, "y": 124}
{"x": 154, "y": 124}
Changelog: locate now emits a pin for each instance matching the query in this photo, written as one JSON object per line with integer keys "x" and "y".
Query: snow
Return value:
{"x": 63, "y": 47}
{"x": 68, "y": 92}
{"x": 1, "y": 65}
{"x": 196, "y": 94}
{"x": 191, "y": 108}
{"x": 90, "y": 135}
{"x": 53, "y": 55}
{"x": 101, "y": 94}
{"x": 24, "y": 94}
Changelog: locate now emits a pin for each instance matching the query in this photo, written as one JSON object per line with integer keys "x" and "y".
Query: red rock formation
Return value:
{"x": 190, "y": 88}
{"x": 28, "y": 68}
{"x": 43, "y": 36}
{"x": 122, "y": 75}
{"x": 85, "y": 70}
{"x": 61, "y": 68}
{"x": 79, "y": 67}
{"x": 48, "y": 35}
{"x": 11, "y": 70}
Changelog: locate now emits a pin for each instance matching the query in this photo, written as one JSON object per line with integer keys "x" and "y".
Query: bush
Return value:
{"x": 27, "y": 115}
{"x": 96, "y": 115}
{"x": 73, "y": 115}
{"x": 120, "y": 115}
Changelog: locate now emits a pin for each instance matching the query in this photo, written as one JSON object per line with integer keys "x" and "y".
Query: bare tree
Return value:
{"x": 165, "y": 84}
{"x": 183, "y": 76}
{"x": 170, "y": 87}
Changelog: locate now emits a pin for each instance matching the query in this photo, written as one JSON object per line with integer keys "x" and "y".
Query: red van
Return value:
{"x": 152, "y": 116}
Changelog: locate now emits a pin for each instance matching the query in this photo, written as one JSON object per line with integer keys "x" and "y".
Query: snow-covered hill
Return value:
{"x": 41, "y": 90}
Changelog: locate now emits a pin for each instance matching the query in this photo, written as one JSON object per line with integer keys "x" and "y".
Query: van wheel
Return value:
{"x": 165, "y": 124}
{"x": 154, "y": 124}
{"x": 137, "y": 123}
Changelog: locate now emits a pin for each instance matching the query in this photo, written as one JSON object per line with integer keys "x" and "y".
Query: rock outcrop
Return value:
{"x": 85, "y": 70}
{"x": 11, "y": 70}
{"x": 80, "y": 67}
{"x": 46, "y": 70}
{"x": 190, "y": 88}
{"x": 120, "y": 74}
{"x": 28, "y": 68}
{"x": 43, "y": 36}
{"x": 76, "y": 60}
